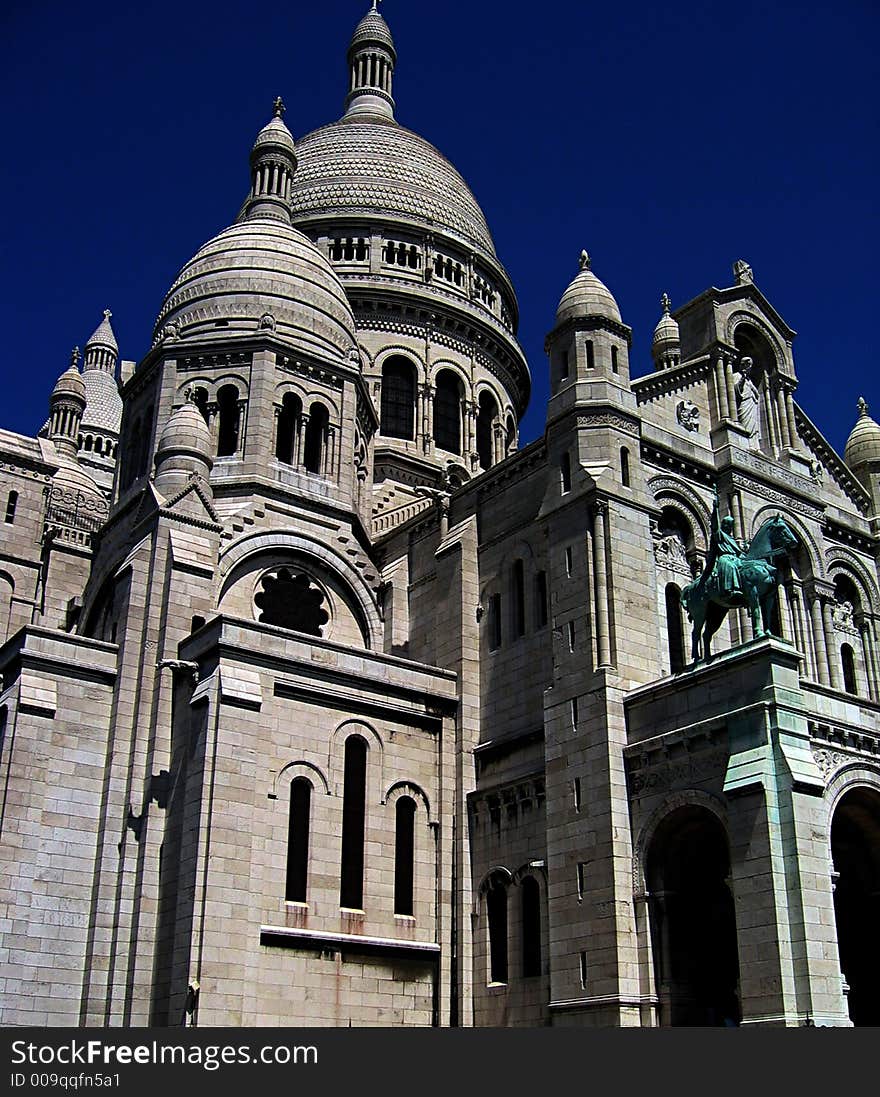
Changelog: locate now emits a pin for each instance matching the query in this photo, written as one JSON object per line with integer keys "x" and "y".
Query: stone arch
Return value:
{"x": 671, "y": 492}
{"x": 298, "y": 544}
{"x": 675, "y": 800}
{"x": 411, "y": 789}
{"x": 839, "y": 560}
{"x": 400, "y": 351}
{"x": 501, "y": 871}
{"x": 740, "y": 319}
{"x": 299, "y": 768}
{"x": 798, "y": 528}
{"x": 375, "y": 751}
{"x": 459, "y": 370}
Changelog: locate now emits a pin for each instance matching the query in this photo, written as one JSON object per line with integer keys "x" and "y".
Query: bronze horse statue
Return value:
{"x": 707, "y": 602}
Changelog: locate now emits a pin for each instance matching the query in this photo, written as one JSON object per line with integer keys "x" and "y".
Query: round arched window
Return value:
{"x": 291, "y": 599}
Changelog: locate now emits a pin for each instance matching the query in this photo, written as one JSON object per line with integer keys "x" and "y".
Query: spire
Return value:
{"x": 273, "y": 162}
{"x": 102, "y": 349}
{"x": 862, "y": 405}
{"x": 371, "y": 61}
{"x": 666, "y": 344}
{"x": 66, "y": 405}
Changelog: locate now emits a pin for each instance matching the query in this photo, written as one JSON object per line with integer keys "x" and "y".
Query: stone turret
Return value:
{"x": 66, "y": 406}
{"x": 183, "y": 450}
{"x": 666, "y": 344}
{"x": 371, "y": 61}
{"x": 862, "y": 453}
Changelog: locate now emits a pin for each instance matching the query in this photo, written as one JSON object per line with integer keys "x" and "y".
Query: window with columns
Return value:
{"x": 229, "y": 425}
{"x": 287, "y": 433}
{"x": 398, "y": 406}
{"x": 316, "y": 439}
{"x": 448, "y": 401}
{"x": 487, "y": 418}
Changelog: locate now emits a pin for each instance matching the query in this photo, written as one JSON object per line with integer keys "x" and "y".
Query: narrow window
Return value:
{"x": 574, "y": 712}
{"x": 576, "y": 793}
{"x": 565, "y": 472}
{"x": 354, "y": 798}
{"x": 847, "y": 658}
{"x": 289, "y": 419}
{"x": 494, "y": 622}
{"x": 673, "y": 628}
{"x": 531, "y": 927}
{"x": 615, "y": 368}
{"x": 314, "y": 445}
{"x": 571, "y": 635}
{"x": 397, "y": 416}
{"x": 541, "y": 599}
{"x": 487, "y": 416}
{"x": 563, "y": 366}
{"x": 496, "y": 907}
{"x": 11, "y": 504}
{"x": 581, "y": 879}
{"x": 404, "y": 851}
{"x": 584, "y": 970}
{"x": 230, "y": 421}
{"x": 298, "y": 840}
{"x": 568, "y": 561}
{"x": 591, "y": 354}
{"x": 447, "y": 412}
{"x": 624, "y": 467}
{"x": 519, "y": 599}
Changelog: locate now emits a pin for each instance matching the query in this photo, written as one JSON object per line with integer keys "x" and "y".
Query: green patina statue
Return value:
{"x": 734, "y": 576}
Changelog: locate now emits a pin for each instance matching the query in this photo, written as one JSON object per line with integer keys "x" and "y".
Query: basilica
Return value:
{"x": 326, "y": 702}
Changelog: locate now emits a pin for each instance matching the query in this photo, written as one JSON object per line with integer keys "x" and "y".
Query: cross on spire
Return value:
{"x": 376, "y": 5}
{"x": 107, "y": 314}
{"x": 862, "y": 406}
{"x": 74, "y": 357}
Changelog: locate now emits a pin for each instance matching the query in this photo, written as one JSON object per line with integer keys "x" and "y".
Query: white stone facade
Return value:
{"x": 324, "y": 703}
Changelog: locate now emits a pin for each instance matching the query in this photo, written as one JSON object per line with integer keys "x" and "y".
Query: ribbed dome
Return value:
{"x": 274, "y": 134}
{"x": 666, "y": 333}
{"x": 103, "y": 403}
{"x": 260, "y": 272}
{"x": 185, "y": 432}
{"x": 863, "y": 444}
{"x": 103, "y": 335}
{"x": 70, "y": 383}
{"x": 587, "y": 296}
{"x": 372, "y": 28}
{"x": 376, "y": 167}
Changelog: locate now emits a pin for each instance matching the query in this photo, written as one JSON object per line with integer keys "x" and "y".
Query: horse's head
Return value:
{"x": 781, "y": 537}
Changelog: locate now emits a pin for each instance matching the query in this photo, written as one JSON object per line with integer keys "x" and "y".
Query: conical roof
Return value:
{"x": 863, "y": 444}
{"x": 587, "y": 296}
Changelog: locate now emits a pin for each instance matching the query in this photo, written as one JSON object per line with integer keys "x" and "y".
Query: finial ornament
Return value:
{"x": 585, "y": 261}
{"x": 74, "y": 357}
{"x": 107, "y": 314}
{"x": 376, "y": 4}
{"x": 279, "y": 107}
{"x": 743, "y": 273}
{"x": 665, "y": 302}
{"x": 863, "y": 407}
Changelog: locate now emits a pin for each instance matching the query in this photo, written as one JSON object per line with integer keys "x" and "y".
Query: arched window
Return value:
{"x": 397, "y": 419}
{"x": 354, "y": 801}
{"x": 89, "y": 442}
{"x": 673, "y": 628}
{"x": 289, "y": 419}
{"x": 624, "y": 467}
{"x": 404, "y": 855}
{"x": 315, "y": 443}
{"x": 563, "y": 365}
{"x": 496, "y": 912}
{"x": 565, "y": 472}
{"x": 530, "y": 896}
{"x": 487, "y": 415}
{"x": 518, "y": 585}
{"x": 11, "y": 504}
{"x": 848, "y": 662}
{"x": 447, "y": 412}
{"x": 510, "y": 436}
{"x": 230, "y": 421}
{"x": 298, "y": 840}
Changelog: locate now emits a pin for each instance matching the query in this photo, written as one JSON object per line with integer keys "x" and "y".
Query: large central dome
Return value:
{"x": 375, "y": 167}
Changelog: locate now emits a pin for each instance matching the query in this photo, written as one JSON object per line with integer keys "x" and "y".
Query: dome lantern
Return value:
{"x": 66, "y": 405}
{"x": 273, "y": 162}
{"x": 371, "y": 61}
{"x": 666, "y": 344}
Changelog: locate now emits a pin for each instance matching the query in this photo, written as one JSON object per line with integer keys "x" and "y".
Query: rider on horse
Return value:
{"x": 724, "y": 555}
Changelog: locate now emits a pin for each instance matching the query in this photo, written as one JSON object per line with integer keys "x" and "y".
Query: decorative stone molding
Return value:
{"x": 688, "y": 415}
{"x": 610, "y": 419}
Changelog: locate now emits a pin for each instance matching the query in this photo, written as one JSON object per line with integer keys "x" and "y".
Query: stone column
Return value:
{"x": 867, "y": 657}
{"x": 729, "y": 383}
{"x": 600, "y": 576}
{"x": 782, "y": 414}
{"x": 819, "y": 640}
{"x": 722, "y": 411}
{"x": 830, "y": 646}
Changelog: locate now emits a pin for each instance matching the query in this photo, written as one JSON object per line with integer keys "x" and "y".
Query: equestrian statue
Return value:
{"x": 736, "y": 576}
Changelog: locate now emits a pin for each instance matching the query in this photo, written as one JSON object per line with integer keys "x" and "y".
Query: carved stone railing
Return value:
{"x": 73, "y": 517}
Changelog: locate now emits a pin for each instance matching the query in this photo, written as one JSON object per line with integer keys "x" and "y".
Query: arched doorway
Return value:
{"x": 693, "y": 925}
{"x": 855, "y": 850}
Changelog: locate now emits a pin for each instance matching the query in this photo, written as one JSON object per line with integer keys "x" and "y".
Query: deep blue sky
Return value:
{"x": 668, "y": 139}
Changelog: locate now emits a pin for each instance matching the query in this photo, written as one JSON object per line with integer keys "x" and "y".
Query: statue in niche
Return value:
{"x": 747, "y": 398}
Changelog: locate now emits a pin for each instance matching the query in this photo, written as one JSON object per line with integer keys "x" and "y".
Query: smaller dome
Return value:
{"x": 70, "y": 383}
{"x": 587, "y": 296}
{"x": 103, "y": 335}
{"x": 372, "y": 29}
{"x": 275, "y": 134}
{"x": 863, "y": 444}
{"x": 666, "y": 333}
{"x": 71, "y": 477}
{"x": 186, "y": 432}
